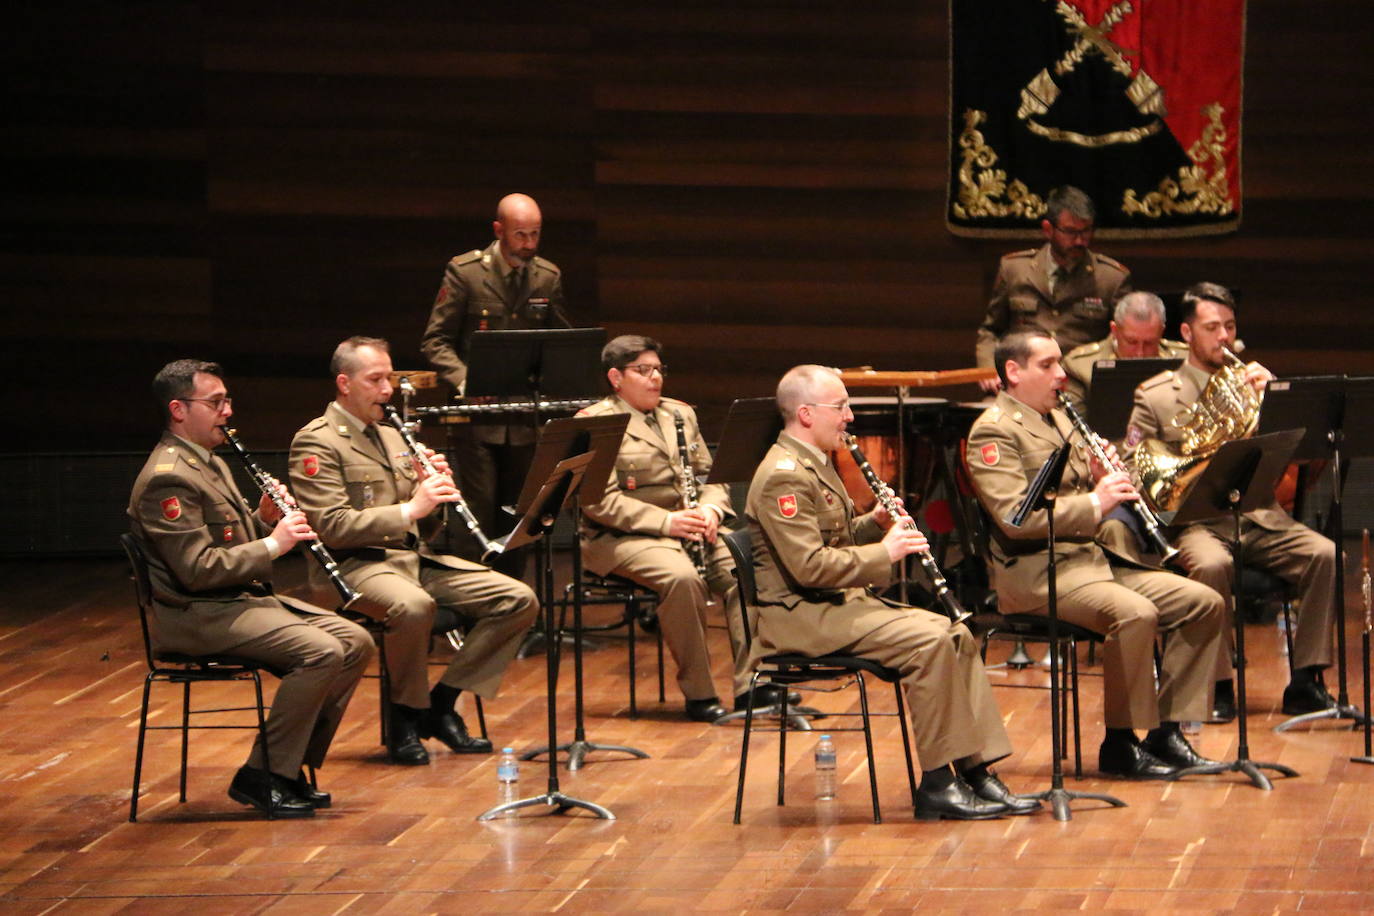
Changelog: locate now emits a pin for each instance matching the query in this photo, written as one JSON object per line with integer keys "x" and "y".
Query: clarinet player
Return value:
{"x": 641, "y": 529}
{"x": 368, "y": 498}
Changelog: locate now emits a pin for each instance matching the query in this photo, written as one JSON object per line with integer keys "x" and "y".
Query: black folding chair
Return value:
{"x": 789, "y": 669}
{"x": 640, "y": 603}
{"x": 183, "y": 669}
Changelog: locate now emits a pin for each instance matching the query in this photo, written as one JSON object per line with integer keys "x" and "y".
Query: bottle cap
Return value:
{"x": 508, "y": 750}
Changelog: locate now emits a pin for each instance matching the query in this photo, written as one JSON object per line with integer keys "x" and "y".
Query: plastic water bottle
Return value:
{"x": 825, "y": 768}
{"x": 507, "y": 779}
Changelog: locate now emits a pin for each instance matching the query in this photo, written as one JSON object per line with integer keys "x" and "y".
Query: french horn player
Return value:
{"x": 1181, "y": 417}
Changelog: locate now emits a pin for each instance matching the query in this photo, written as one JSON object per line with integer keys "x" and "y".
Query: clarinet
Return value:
{"x": 284, "y": 505}
{"x": 943, "y": 596}
{"x": 1154, "y": 529}
{"x": 696, "y": 550}
{"x": 488, "y": 546}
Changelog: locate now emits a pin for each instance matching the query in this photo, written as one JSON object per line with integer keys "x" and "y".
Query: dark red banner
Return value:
{"x": 1137, "y": 102}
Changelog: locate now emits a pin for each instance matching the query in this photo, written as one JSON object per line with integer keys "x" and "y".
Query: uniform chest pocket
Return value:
{"x": 1090, "y": 307}
{"x": 486, "y": 309}
{"x": 1024, "y": 305}
{"x": 834, "y": 526}
{"x": 366, "y": 485}
{"x": 224, "y": 525}
{"x": 639, "y": 464}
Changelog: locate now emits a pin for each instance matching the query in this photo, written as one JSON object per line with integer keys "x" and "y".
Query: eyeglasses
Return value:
{"x": 1073, "y": 233}
{"x": 216, "y": 404}
{"x": 646, "y": 370}
{"x": 841, "y": 406}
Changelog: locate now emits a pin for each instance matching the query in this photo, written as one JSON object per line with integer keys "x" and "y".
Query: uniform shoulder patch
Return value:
{"x": 785, "y": 464}
{"x": 473, "y": 255}
{"x": 990, "y": 454}
{"x": 787, "y": 505}
{"x": 171, "y": 508}
{"x": 1155, "y": 381}
{"x": 1108, "y": 261}
{"x": 310, "y": 464}
{"x": 1134, "y": 436}
{"x": 443, "y": 295}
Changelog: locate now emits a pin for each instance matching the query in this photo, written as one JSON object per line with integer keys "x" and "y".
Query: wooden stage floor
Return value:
{"x": 405, "y": 840}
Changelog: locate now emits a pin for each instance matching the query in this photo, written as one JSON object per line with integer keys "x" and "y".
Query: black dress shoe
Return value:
{"x": 403, "y": 742}
{"x": 956, "y": 802}
{"x": 767, "y": 695}
{"x": 988, "y": 787}
{"x": 1129, "y": 760}
{"x": 707, "y": 710}
{"x": 1172, "y": 748}
{"x": 269, "y": 793}
{"x": 304, "y": 790}
{"x": 1301, "y": 697}
{"x": 449, "y": 728}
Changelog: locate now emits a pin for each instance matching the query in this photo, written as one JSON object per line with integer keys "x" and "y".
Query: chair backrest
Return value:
{"x": 741, "y": 550}
{"x": 143, "y": 589}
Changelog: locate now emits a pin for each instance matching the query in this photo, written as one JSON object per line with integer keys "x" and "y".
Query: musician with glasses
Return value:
{"x": 1129, "y": 604}
{"x": 819, "y": 568}
{"x": 506, "y": 286}
{"x": 369, "y": 499}
{"x": 1136, "y": 332}
{"x": 1272, "y": 539}
{"x": 210, "y": 556}
{"x": 1062, "y": 287}
{"x": 641, "y": 527}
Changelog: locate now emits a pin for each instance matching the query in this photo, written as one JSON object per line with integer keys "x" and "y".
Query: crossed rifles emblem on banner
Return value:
{"x": 1042, "y": 91}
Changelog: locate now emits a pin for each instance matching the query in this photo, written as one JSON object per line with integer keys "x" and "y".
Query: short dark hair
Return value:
{"x": 177, "y": 379}
{"x": 1204, "y": 292}
{"x": 620, "y": 351}
{"x": 1070, "y": 200}
{"x": 344, "y": 361}
{"x": 1015, "y": 347}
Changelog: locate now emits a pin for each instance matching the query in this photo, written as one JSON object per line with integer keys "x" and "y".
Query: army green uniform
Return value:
{"x": 1125, "y": 602}
{"x": 816, "y": 566}
{"x": 1078, "y": 310}
{"x": 626, "y": 534}
{"x": 481, "y": 292}
{"x": 1272, "y": 539}
{"x": 352, "y": 491}
{"x": 1078, "y": 365}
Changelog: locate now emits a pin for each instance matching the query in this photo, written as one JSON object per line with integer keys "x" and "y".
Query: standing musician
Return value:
{"x": 1062, "y": 287}
{"x": 817, "y": 567}
{"x": 210, "y": 559}
{"x": 641, "y": 527}
{"x": 366, "y": 495}
{"x": 1129, "y": 604}
{"x": 1273, "y": 540}
{"x": 1137, "y": 332}
{"x": 506, "y": 286}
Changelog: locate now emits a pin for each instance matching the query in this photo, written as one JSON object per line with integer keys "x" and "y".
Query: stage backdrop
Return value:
{"x": 1137, "y": 102}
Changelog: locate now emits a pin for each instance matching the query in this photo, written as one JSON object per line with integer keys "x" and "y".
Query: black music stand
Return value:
{"x": 559, "y": 471}
{"x": 1240, "y": 477}
{"x": 1112, "y": 395}
{"x": 532, "y": 366}
{"x": 1043, "y": 491}
{"x": 751, "y": 427}
{"x": 1321, "y": 403}
{"x": 560, "y": 440}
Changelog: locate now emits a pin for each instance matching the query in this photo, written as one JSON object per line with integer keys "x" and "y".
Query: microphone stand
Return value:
{"x": 1042, "y": 493}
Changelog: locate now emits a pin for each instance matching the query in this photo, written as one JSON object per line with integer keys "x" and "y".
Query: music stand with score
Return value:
{"x": 1112, "y": 395}
{"x": 1240, "y": 477}
{"x": 572, "y": 461}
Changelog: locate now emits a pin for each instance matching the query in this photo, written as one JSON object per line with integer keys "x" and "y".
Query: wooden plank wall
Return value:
{"x": 757, "y": 183}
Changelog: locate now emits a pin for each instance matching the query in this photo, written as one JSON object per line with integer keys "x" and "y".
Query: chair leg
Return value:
{"x": 662, "y": 696}
{"x": 1287, "y": 606}
{"x": 906, "y": 739}
{"x": 631, "y": 615}
{"x": 744, "y": 748}
{"x": 868, "y": 745}
{"x": 782, "y": 753}
{"x": 1077, "y": 733}
{"x": 262, "y": 730}
{"x": 383, "y": 690}
{"x": 138, "y": 754}
{"x": 481, "y": 715}
{"x": 185, "y": 731}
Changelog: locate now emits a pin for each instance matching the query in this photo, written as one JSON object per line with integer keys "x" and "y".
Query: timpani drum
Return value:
{"x": 875, "y": 427}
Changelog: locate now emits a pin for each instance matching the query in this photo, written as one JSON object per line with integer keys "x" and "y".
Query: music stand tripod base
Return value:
{"x": 1339, "y": 711}
{"x": 798, "y": 717}
{"x": 563, "y": 803}
{"x": 579, "y": 749}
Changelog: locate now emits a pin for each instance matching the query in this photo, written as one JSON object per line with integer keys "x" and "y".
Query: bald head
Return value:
{"x": 814, "y": 406}
{"x": 798, "y": 386}
{"x": 517, "y": 226}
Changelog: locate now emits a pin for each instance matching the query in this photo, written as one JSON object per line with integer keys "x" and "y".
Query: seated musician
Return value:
{"x": 1125, "y": 602}
{"x": 505, "y": 286}
{"x": 1137, "y": 332}
{"x": 367, "y": 497}
{"x": 641, "y": 529}
{"x": 817, "y": 566}
{"x": 210, "y": 559}
{"x": 1272, "y": 539}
